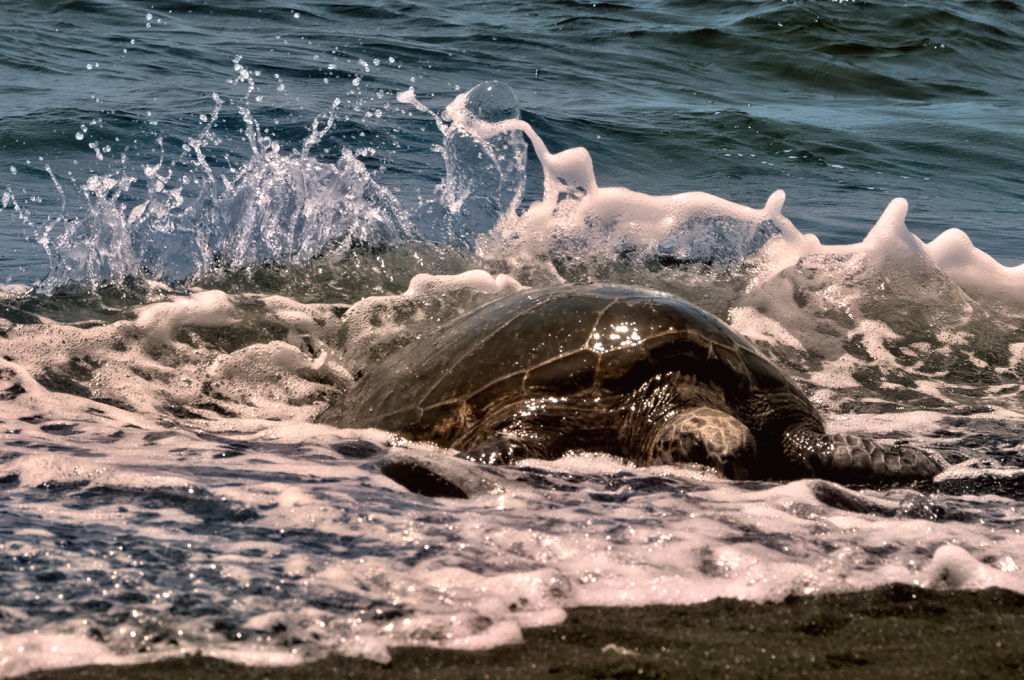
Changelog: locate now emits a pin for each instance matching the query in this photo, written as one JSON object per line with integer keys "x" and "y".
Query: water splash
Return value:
{"x": 577, "y": 219}
{"x": 485, "y": 170}
{"x": 281, "y": 207}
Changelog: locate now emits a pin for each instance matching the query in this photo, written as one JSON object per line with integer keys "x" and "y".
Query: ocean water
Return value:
{"x": 214, "y": 216}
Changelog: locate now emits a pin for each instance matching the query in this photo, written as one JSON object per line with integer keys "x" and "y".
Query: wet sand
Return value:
{"x": 891, "y": 632}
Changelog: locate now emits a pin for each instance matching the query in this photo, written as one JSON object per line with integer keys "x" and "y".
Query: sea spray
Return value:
{"x": 278, "y": 207}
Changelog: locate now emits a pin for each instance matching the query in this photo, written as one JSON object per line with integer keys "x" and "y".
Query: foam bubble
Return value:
{"x": 977, "y": 272}
{"x": 953, "y": 568}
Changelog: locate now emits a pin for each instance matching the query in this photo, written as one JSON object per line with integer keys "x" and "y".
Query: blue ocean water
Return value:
{"x": 194, "y": 194}
{"x": 844, "y": 105}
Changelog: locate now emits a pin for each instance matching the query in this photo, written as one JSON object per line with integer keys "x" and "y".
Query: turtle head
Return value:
{"x": 851, "y": 459}
{"x": 706, "y": 436}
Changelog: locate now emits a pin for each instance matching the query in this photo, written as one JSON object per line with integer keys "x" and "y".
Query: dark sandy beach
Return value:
{"x": 891, "y": 632}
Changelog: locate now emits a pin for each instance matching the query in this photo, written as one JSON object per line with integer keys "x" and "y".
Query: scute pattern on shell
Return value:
{"x": 565, "y": 340}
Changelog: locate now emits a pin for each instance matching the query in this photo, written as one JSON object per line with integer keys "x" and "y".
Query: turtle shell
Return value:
{"x": 569, "y": 340}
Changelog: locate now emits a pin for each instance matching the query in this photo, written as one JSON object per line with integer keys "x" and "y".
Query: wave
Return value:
{"x": 161, "y": 390}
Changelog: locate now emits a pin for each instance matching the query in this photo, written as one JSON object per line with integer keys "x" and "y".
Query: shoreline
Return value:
{"x": 899, "y": 630}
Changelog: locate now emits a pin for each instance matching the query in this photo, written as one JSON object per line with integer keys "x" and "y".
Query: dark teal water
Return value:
{"x": 845, "y": 105}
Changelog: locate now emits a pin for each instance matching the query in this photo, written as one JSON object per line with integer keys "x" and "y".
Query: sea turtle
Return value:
{"x": 624, "y": 370}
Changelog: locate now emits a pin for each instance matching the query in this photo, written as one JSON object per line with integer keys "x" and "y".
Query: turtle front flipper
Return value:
{"x": 707, "y": 436}
{"x": 851, "y": 459}
{"x": 443, "y": 475}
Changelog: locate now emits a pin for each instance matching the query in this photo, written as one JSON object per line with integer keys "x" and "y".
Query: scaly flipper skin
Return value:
{"x": 709, "y": 437}
{"x": 441, "y": 475}
{"x": 851, "y": 459}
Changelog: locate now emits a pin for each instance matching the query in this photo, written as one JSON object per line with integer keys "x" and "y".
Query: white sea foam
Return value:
{"x": 283, "y": 542}
{"x": 286, "y": 543}
{"x": 975, "y": 271}
{"x": 169, "y": 493}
